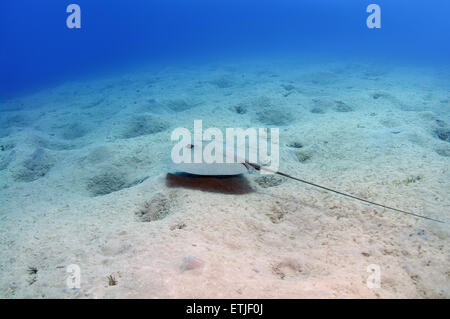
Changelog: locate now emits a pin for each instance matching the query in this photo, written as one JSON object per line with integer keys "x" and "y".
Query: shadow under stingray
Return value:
{"x": 237, "y": 185}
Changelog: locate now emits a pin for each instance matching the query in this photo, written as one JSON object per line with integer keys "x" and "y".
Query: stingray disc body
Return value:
{"x": 213, "y": 169}
{"x": 210, "y": 169}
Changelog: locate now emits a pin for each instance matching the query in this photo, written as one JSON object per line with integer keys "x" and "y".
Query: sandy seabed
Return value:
{"x": 84, "y": 180}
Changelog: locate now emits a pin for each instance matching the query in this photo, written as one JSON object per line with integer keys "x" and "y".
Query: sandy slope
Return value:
{"x": 84, "y": 181}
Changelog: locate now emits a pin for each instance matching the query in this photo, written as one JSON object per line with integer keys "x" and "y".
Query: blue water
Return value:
{"x": 87, "y": 118}
{"x": 37, "y": 49}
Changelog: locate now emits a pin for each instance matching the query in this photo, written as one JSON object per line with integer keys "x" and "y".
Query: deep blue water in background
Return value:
{"x": 37, "y": 49}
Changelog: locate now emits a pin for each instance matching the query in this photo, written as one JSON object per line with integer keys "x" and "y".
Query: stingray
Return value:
{"x": 243, "y": 165}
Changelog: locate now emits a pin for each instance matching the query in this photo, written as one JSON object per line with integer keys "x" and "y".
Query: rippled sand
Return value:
{"x": 84, "y": 180}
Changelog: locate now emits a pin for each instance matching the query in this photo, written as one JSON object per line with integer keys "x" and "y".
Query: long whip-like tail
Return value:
{"x": 259, "y": 167}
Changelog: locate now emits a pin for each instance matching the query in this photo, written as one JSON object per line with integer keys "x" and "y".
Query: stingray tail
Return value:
{"x": 259, "y": 167}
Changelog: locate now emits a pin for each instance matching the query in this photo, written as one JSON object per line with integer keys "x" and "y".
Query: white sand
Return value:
{"x": 229, "y": 238}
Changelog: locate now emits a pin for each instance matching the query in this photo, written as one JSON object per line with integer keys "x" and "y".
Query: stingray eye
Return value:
{"x": 190, "y": 146}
